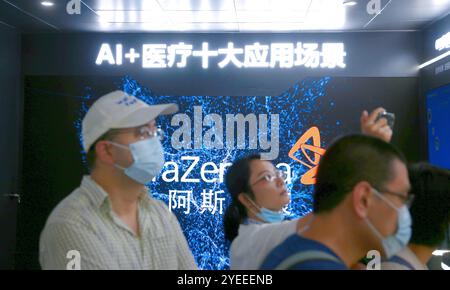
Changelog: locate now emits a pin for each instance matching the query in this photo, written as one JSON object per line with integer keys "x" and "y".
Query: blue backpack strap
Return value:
{"x": 401, "y": 261}
{"x": 301, "y": 257}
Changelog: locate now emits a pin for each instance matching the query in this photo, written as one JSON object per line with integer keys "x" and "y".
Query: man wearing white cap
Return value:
{"x": 110, "y": 221}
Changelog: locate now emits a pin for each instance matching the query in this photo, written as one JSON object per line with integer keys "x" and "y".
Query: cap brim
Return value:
{"x": 144, "y": 115}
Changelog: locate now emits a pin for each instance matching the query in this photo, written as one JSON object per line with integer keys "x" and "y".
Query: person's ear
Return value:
{"x": 104, "y": 153}
{"x": 362, "y": 198}
{"x": 244, "y": 199}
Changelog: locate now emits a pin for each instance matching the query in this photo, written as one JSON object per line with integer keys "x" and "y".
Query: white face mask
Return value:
{"x": 396, "y": 242}
{"x": 148, "y": 159}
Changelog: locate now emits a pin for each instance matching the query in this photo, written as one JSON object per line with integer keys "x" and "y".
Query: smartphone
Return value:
{"x": 390, "y": 117}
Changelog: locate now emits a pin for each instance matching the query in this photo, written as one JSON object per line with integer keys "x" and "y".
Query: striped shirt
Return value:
{"x": 84, "y": 222}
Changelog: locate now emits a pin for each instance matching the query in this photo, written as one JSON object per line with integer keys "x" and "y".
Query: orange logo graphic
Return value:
{"x": 312, "y": 134}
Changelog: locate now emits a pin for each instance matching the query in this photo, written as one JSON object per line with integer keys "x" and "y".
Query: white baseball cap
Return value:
{"x": 119, "y": 110}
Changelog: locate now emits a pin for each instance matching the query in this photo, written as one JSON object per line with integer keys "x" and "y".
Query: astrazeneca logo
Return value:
{"x": 301, "y": 146}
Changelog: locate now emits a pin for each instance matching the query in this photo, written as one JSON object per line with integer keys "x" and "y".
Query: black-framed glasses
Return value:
{"x": 406, "y": 199}
{"x": 270, "y": 177}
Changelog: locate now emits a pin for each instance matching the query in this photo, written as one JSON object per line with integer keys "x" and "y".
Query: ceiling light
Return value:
{"x": 349, "y": 3}
{"x": 47, "y": 3}
{"x": 438, "y": 58}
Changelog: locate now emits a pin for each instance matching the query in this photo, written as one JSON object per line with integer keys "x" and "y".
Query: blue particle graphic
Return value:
{"x": 299, "y": 108}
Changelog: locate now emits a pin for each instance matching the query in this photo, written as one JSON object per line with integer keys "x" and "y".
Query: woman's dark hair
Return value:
{"x": 237, "y": 182}
{"x": 430, "y": 211}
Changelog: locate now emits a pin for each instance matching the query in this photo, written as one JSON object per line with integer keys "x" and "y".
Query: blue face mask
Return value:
{"x": 268, "y": 215}
{"x": 148, "y": 160}
{"x": 393, "y": 244}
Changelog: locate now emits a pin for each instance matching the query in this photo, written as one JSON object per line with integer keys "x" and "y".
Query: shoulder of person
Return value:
{"x": 403, "y": 260}
{"x": 161, "y": 208}
{"x": 266, "y": 234}
{"x": 159, "y": 204}
{"x": 393, "y": 266}
{"x": 285, "y": 226}
{"x": 72, "y": 209}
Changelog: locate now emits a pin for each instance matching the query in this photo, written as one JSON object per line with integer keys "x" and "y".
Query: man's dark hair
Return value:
{"x": 430, "y": 211}
{"x": 348, "y": 161}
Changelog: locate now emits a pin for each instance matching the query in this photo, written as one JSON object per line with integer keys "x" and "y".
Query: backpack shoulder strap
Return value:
{"x": 401, "y": 261}
{"x": 302, "y": 257}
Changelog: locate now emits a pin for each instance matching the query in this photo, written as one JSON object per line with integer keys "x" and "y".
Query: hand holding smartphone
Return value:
{"x": 390, "y": 117}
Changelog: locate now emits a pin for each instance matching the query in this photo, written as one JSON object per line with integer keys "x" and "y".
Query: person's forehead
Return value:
{"x": 133, "y": 132}
{"x": 152, "y": 123}
{"x": 258, "y": 167}
{"x": 400, "y": 180}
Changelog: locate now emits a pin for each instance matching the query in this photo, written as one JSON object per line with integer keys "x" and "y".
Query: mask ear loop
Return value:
{"x": 121, "y": 146}
{"x": 386, "y": 200}
{"x": 369, "y": 223}
{"x": 253, "y": 203}
{"x": 374, "y": 230}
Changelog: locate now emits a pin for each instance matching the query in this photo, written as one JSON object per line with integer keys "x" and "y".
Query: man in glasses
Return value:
{"x": 360, "y": 204}
{"x": 430, "y": 215}
{"x": 110, "y": 221}
{"x": 254, "y": 222}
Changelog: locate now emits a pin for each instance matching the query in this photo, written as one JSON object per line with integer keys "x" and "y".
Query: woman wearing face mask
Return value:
{"x": 254, "y": 221}
{"x": 430, "y": 214}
